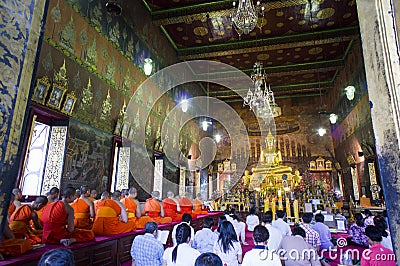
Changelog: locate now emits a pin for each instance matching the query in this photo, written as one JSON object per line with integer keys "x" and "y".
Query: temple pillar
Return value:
{"x": 22, "y": 28}
{"x": 381, "y": 55}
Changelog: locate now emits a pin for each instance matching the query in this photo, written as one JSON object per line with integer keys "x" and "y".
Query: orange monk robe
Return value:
{"x": 170, "y": 210}
{"x": 81, "y": 214}
{"x": 91, "y": 199}
{"x": 198, "y": 207}
{"x": 14, "y": 246}
{"x": 20, "y": 225}
{"x": 107, "y": 221}
{"x": 54, "y": 219}
{"x": 131, "y": 206}
{"x": 153, "y": 208}
{"x": 187, "y": 206}
{"x": 11, "y": 208}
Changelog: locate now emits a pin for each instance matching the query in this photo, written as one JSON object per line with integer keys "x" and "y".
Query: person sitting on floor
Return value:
{"x": 369, "y": 218}
{"x": 186, "y": 219}
{"x": 171, "y": 207}
{"x": 260, "y": 254}
{"x": 83, "y": 209}
{"x": 377, "y": 252}
{"x": 357, "y": 232}
{"x": 228, "y": 247}
{"x": 280, "y": 224}
{"x": 111, "y": 217}
{"x": 146, "y": 249}
{"x": 15, "y": 200}
{"x": 208, "y": 259}
{"x": 93, "y": 195}
{"x": 21, "y": 218}
{"x": 205, "y": 239}
{"x": 198, "y": 205}
{"x": 323, "y": 231}
{"x": 132, "y": 206}
{"x": 240, "y": 229}
{"x": 187, "y": 205}
{"x": 221, "y": 219}
{"x": 58, "y": 222}
{"x": 155, "y": 210}
{"x": 57, "y": 257}
{"x": 252, "y": 219}
{"x": 381, "y": 224}
{"x": 54, "y": 193}
{"x": 275, "y": 236}
{"x": 181, "y": 254}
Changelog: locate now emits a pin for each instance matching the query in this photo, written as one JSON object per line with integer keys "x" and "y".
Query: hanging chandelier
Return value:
{"x": 245, "y": 16}
{"x": 261, "y": 100}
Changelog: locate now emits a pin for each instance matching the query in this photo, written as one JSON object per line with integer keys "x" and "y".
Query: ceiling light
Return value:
{"x": 350, "y": 90}
{"x": 148, "y": 66}
{"x": 218, "y": 138}
{"x": 245, "y": 16}
{"x": 321, "y": 131}
{"x": 333, "y": 118}
{"x": 184, "y": 105}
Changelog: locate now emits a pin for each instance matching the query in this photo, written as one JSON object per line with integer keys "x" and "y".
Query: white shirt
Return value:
{"x": 257, "y": 257}
{"x": 204, "y": 240}
{"x": 231, "y": 257}
{"x": 387, "y": 242}
{"x": 186, "y": 256}
{"x": 174, "y": 233}
{"x": 282, "y": 226}
{"x": 275, "y": 238}
{"x": 252, "y": 221}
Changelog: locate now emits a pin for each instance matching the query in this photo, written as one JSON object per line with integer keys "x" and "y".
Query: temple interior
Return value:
{"x": 298, "y": 113}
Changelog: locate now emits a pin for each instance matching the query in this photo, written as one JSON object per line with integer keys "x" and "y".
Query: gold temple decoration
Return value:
{"x": 106, "y": 107}
{"x": 61, "y": 76}
{"x": 87, "y": 96}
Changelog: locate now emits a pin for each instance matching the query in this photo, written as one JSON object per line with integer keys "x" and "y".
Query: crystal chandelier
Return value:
{"x": 245, "y": 16}
{"x": 262, "y": 100}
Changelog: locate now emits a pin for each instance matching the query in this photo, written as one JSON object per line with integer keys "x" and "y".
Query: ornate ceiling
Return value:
{"x": 303, "y": 43}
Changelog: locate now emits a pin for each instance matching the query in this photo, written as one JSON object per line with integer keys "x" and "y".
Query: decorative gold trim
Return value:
{"x": 41, "y": 89}
{"x": 69, "y": 103}
{"x": 56, "y": 96}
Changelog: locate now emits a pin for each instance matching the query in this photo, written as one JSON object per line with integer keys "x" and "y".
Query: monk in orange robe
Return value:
{"x": 93, "y": 195}
{"x": 11, "y": 246}
{"x": 83, "y": 209}
{"x": 187, "y": 205}
{"x": 21, "y": 218}
{"x": 171, "y": 207}
{"x": 15, "y": 202}
{"x": 52, "y": 196}
{"x": 111, "y": 216}
{"x": 133, "y": 209}
{"x": 58, "y": 222}
{"x": 198, "y": 205}
{"x": 155, "y": 209}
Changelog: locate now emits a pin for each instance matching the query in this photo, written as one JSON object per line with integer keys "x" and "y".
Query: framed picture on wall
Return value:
{"x": 56, "y": 96}
{"x": 41, "y": 89}
{"x": 69, "y": 103}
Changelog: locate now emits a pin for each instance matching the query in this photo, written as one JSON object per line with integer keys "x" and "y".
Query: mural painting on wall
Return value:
{"x": 88, "y": 156}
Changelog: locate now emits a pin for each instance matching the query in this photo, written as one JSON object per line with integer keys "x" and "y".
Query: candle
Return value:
{"x": 296, "y": 210}
{"x": 279, "y": 193}
{"x": 273, "y": 208}
{"x": 288, "y": 208}
{"x": 266, "y": 204}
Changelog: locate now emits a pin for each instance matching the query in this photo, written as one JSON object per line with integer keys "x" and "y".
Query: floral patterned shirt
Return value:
{"x": 358, "y": 234}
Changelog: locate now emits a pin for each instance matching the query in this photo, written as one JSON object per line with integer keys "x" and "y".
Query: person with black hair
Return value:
{"x": 275, "y": 236}
{"x": 205, "y": 239}
{"x": 381, "y": 224}
{"x": 260, "y": 254}
{"x": 312, "y": 236}
{"x": 228, "y": 247}
{"x": 240, "y": 229}
{"x": 208, "y": 259}
{"x": 377, "y": 254}
{"x": 357, "y": 232}
{"x": 57, "y": 257}
{"x": 369, "y": 218}
{"x": 280, "y": 224}
{"x": 146, "y": 249}
{"x": 221, "y": 219}
{"x": 186, "y": 219}
{"x": 83, "y": 209}
{"x": 323, "y": 231}
{"x": 252, "y": 219}
{"x": 182, "y": 254}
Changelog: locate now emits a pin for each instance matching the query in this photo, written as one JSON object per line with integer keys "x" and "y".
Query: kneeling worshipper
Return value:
{"x": 58, "y": 222}
{"x": 187, "y": 205}
{"x": 132, "y": 206}
{"x": 111, "y": 216}
{"x": 21, "y": 218}
{"x": 171, "y": 207}
{"x": 83, "y": 209}
{"x": 199, "y": 205}
{"x": 155, "y": 209}
{"x": 11, "y": 246}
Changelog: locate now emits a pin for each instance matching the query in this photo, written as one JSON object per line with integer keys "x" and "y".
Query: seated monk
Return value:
{"x": 16, "y": 196}
{"x": 111, "y": 217}
{"x": 198, "y": 205}
{"x": 171, "y": 207}
{"x": 132, "y": 206}
{"x": 187, "y": 205}
{"x": 58, "y": 222}
{"x": 21, "y": 218}
{"x": 93, "y": 195}
{"x": 155, "y": 209}
{"x": 52, "y": 196}
{"x": 11, "y": 246}
{"x": 83, "y": 209}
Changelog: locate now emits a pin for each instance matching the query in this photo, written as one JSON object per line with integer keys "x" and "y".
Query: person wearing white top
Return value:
{"x": 252, "y": 220}
{"x": 260, "y": 254}
{"x": 182, "y": 254}
{"x": 240, "y": 229}
{"x": 205, "y": 239}
{"x": 228, "y": 247}
{"x": 281, "y": 225}
{"x": 186, "y": 219}
{"x": 275, "y": 236}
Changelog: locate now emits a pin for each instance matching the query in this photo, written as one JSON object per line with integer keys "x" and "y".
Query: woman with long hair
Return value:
{"x": 182, "y": 254}
{"x": 228, "y": 247}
